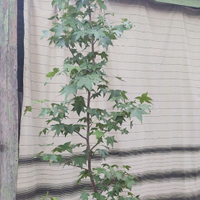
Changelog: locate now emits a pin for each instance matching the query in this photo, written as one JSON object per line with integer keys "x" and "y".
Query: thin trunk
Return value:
{"x": 88, "y": 118}
{"x": 88, "y": 146}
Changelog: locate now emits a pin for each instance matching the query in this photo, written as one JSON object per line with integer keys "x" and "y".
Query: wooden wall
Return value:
{"x": 8, "y": 100}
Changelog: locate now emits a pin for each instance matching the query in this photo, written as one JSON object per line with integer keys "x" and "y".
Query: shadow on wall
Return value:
{"x": 20, "y": 55}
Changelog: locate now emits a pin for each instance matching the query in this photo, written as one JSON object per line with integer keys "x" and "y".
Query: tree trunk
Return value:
{"x": 8, "y": 100}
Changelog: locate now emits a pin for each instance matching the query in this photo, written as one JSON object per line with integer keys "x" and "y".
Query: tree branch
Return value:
{"x": 75, "y": 166}
{"x": 94, "y": 146}
{"x": 73, "y": 54}
{"x": 80, "y": 135}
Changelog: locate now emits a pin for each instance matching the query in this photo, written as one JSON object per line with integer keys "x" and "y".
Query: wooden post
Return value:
{"x": 8, "y": 100}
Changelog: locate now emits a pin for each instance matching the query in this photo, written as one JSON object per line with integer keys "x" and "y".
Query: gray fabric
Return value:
{"x": 190, "y": 3}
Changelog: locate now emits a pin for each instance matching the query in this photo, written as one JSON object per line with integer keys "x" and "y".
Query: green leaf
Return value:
{"x": 68, "y": 89}
{"x": 79, "y": 34}
{"x": 53, "y": 73}
{"x": 59, "y": 3}
{"x": 45, "y": 34}
{"x": 94, "y": 32}
{"x": 105, "y": 165}
{"x": 111, "y": 126}
{"x": 119, "y": 175}
{"x": 47, "y": 196}
{"x": 98, "y": 196}
{"x": 105, "y": 41}
{"x": 60, "y": 42}
{"x": 124, "y": 131}
{"x": 89, "y": 80}
{"x": 83, "y": 119}
{"x": 46, "y": 145}
{"x": 103, "y": 89}
{"x": 100, "y": 170}
{"x": 104, "y": 55}
{"x": 53, "y": 17}
{"x": 52, "y": 158}
{"x": 28, "y": 109}
{"x": 40, "y": 101}
{"x": 126, "y": 167}
{"x": 70, "y": 68}
{"x": 104, "y": 153}
{"x": 85, "y": 82}
{"x": 84, "y": 196}
{"x": 98, "y": 134}
{"x": 64, "y": 147}
{"x": 78, "y": 105}
{"x": 50, "y": 74}
{"x": 136, "y": 198}
{"x": 79, "y": 161}
{"x": 44, "y": 111}
{"x": 70, "y": 128}
{"x": 144, "y": 98}
{"x": 118, "y": 33}
{"x": 115, "y": 94}
{"x": 44, "y": 131}
{"x": 130, "y": 183}
{"x": 127, "y": 24}
{"x": 83, "y": 174}
{"x": 39, "y": 154}
{"x": 115, "y": 166}
{"x": 57, "y": 29}
{"x": 144, "y": 107}
{"x": 138, "y": 113}
{"x": 110, "y": 140}
{"x": 118, "y": 117}
{"x": 58, "y": 128}
{"x": 58, "y": 110}
{"x": 119, "y": 78}
{"x": 123, "y": 93}
{"x": 101, "y": 4}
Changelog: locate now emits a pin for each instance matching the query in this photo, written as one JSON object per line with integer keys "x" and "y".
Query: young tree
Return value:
{"x": 81, "y": 30}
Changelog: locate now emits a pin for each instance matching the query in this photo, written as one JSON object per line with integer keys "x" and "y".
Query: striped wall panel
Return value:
{"x": 161, "y": 56}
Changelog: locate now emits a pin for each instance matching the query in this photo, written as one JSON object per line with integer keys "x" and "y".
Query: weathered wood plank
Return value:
{"x": 8, "y": 100}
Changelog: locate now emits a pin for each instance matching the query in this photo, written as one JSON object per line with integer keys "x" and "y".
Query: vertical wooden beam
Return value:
{"x": 8, "y": 100}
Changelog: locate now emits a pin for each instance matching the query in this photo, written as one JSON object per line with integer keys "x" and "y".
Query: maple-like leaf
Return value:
{"x": 78, "y": 105}
{"x": 69, "y": 89}
{"x": 84, "y": 196}
{"x": 98, "y": 134}
{"x": 110, "y": 140}
{"x": 138, "y": 113}
{"x": 144, "y": 98}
